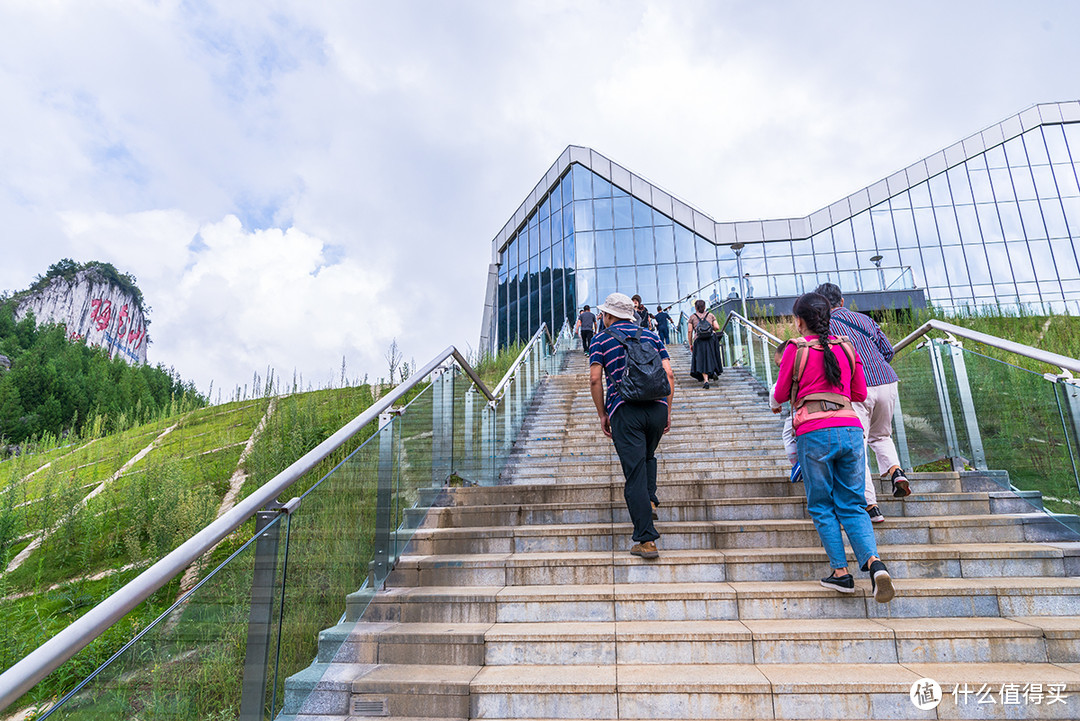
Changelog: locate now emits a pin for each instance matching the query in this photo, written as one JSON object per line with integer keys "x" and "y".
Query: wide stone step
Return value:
{"x": 700, "y": 564}
{"x": 509, "y": 536}
{"x": 677, "y": 487}
{"x": 950, "y": 526}
{"x": 916, "y": 598}
{"x": 1036, "y": 639}
{"x": 709, "y": 691}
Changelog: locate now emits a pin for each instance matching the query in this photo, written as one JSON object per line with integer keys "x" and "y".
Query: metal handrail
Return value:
{"x": 521, "y": 358}
{"x": 1065, "y": 363}
{"x": 47, "y": 657}
{"x": 758, "y": 330}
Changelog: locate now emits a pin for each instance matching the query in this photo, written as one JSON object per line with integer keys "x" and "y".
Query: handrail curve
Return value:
{"x": 1065, "y": 363}
{"x": 46, "y": 658}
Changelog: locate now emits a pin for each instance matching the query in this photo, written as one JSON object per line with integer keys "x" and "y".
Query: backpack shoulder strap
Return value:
{"x": 617, "y": 335}
{"x": 802, "y": 354}
{"x": 849, "y": 349}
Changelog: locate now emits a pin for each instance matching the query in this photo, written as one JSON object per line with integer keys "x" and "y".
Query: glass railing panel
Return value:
{"x": 332, "y": 540}
{"x": 1023, "y": 426}
{"x": 190, "y": 663}
{"x": 421, "y": 457}
{"x": 923, "y": 429}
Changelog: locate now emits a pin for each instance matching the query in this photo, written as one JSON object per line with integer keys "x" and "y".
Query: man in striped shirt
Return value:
{"x": 876, "y": 412}
{"x": 634, "y": 426}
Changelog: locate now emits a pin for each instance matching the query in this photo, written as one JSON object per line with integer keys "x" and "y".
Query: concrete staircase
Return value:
{"x": 521, "y": 601}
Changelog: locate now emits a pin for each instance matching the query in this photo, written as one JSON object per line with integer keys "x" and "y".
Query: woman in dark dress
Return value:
{"x": 705, "y": 362}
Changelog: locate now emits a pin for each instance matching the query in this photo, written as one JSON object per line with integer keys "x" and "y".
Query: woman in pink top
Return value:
{"x": 830, "y": 443}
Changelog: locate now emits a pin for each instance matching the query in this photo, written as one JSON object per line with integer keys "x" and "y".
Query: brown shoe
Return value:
{"x": 655, "y": 516}
{"x": 645, "y": 550}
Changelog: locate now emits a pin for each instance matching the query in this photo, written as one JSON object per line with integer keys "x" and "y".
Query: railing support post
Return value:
{"x": 517, "y": 403}
{"x": 468, "y": 464}
{"x": 750, "y": 350}
{"x": 945, "y": 404}
{"x": 1071, "y": 391}
{"x": 507, "y": 406}
{"x": 967, "y": 404}
{"x": 442, "y": 428}
{"x": 260, "y": 618}
{"x": 730, "y": 351}
{"x": 767, "y": 362}
{"x": 487, "y": 444}
{"x": 900, "y": 434}
{"x": 384, "y": 498}
{"x": 736, "y": 331}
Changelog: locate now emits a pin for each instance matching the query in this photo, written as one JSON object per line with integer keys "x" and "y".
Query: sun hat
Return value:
{"x": 618, "y": 305}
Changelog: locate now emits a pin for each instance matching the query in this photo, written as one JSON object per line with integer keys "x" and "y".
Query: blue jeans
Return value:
{"x": 833, "y": 464}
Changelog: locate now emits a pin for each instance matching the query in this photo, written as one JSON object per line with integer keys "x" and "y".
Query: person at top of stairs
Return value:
{"x": 586, "y": 324}
{"x": 705, "y": 363}
{"x": 822, "y": 375}
{"x": 635, "y": 427}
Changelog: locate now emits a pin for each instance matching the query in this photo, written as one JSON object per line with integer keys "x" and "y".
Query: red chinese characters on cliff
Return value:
{"x": 101, "y": 316}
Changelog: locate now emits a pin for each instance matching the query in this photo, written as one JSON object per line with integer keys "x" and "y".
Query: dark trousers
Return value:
{"x": 636, "y": 429}
{"x": 586, "y": 339}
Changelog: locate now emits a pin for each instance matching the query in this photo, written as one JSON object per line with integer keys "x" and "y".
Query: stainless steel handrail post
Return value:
{"x": 383, "y": 553}
{"x": 1071, "y": 391}
{"x": 438, "y": 387}
{"x": 487, "y": 444}
{"x": 468, "y": 464}
{"x": 945, "y": 405}
{"x": 967, "y": 405}
{"x": 260, "y": 617}
{"x": 767, "y": 361}
{"x": 750, "y": 352}
{"x": 900, "y": 434}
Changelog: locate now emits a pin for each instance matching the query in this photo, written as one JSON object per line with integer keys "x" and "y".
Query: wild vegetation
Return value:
{"x": 57, "y": 388}
{"x": 81, "y": 517}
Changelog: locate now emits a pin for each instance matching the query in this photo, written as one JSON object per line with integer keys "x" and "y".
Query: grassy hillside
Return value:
{"x": 81, "y": 517}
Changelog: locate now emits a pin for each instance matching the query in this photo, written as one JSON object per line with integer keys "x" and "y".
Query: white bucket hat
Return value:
{"x": 618, "y": 305}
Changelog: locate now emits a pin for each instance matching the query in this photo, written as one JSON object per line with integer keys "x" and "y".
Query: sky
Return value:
{"x": 295, "y": 183}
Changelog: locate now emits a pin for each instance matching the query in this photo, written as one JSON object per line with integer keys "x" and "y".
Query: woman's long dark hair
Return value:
{"x": 814, "y": 310}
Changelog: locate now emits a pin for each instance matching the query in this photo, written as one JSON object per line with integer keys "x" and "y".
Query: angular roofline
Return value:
{"x": 753, "y": 231}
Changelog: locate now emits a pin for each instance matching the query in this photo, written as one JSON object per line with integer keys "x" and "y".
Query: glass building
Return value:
{"x": 990, "y": 220}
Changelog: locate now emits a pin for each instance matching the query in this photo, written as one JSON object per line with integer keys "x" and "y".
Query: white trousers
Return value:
{"x": 875, "y": 414}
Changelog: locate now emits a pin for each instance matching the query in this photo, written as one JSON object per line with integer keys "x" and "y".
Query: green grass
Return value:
{"x": 189, "y": 666}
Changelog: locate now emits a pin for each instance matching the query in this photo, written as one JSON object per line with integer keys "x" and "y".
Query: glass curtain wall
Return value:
{"x": 997, "y": 229}
{"x": 589, "y": 238}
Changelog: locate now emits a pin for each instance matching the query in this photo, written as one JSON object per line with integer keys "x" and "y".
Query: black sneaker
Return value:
{"x": 706, "y": 386}
{"x": 881, "y": 582}
{"x": 900, "y": 485}
{"x": 875, "y": 514}
{"x": 843, "y": 584}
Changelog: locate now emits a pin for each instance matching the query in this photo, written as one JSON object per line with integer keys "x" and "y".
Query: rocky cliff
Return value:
{"x": 93, "y": 308}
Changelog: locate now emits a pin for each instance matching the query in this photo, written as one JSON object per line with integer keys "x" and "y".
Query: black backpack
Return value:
{"x": 644, "y": 378}
{"x": 703, "y": 328}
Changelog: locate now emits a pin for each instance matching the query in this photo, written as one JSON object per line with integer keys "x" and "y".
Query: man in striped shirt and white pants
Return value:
{"x": 876, "y": 412}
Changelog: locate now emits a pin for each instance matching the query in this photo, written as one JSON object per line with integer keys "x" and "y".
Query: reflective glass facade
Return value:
{"x": 992, "y": 223}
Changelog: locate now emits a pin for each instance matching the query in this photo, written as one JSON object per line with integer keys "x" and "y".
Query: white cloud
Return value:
{"x": 229, "y": 301}
{"x": 359, "y": 157}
